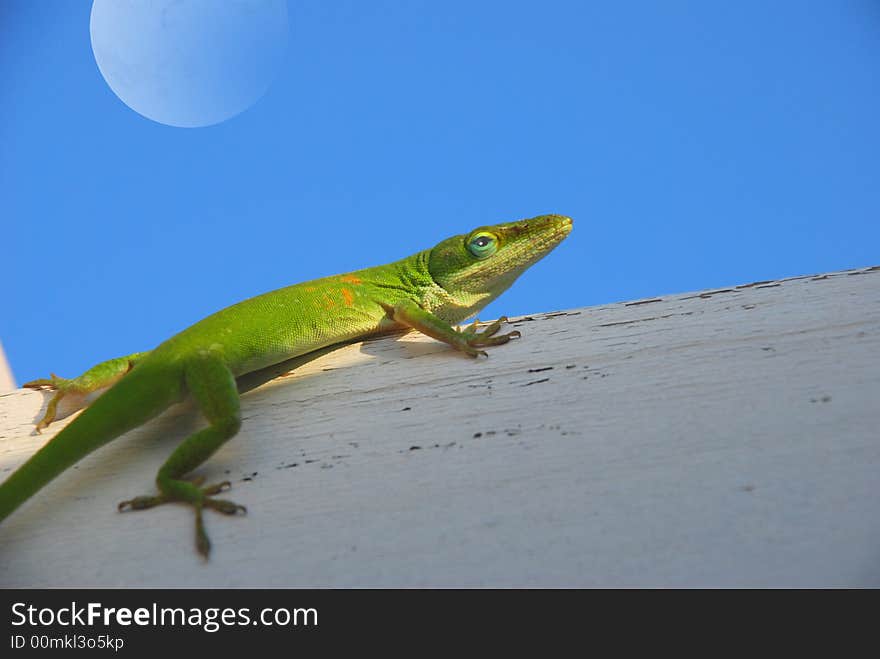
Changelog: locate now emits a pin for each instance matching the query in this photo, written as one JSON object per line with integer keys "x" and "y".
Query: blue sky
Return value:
{"x": 696, "y": 145}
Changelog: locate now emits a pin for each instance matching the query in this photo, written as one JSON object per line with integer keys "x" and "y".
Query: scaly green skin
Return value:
{"x": 429, "y": 291}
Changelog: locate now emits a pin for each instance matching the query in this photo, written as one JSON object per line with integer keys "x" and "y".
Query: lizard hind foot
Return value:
{"x": 42, "y": 383}
{"x": 198, "y": 497}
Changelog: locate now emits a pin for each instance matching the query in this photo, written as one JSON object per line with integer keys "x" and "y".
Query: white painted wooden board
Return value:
{"x": 723, "y": 438}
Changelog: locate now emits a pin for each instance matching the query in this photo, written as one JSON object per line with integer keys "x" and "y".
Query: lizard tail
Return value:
{"x": 132, "y": 401}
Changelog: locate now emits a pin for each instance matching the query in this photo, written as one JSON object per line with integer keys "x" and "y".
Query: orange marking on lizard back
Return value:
{"x": 328, "y": 302}
{"x": 351, "y": 279}
{"x": 347, "y": 296}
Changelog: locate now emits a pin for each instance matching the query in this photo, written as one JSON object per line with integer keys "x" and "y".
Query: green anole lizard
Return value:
{"x": 429, "y": 291}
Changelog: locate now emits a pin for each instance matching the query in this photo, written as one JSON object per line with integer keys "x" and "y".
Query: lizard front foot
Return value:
{"x": 474, "y": 339}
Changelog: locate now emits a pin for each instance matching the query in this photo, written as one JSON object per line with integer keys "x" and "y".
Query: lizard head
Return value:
{"x": 476, "y": 267}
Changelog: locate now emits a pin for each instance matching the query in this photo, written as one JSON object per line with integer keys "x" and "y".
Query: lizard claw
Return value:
{"x": 198, "y": 497}
{"x": 488, "y": 337}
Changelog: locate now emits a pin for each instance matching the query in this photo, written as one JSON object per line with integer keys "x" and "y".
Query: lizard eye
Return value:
{"x": 482, "y": 244}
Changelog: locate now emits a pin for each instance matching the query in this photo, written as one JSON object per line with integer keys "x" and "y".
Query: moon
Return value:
{"x": 189, "y": 63}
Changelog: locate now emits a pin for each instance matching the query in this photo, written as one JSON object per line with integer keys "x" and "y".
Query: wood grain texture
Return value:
{"x": 719, "y": 438}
